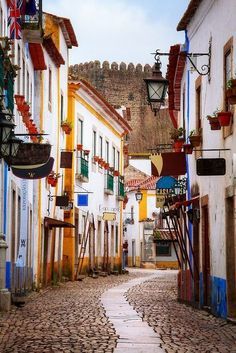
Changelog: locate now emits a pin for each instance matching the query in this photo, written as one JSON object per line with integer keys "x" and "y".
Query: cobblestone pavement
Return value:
{"x": 182, "y": 328}
{"x": 68, "y": 318}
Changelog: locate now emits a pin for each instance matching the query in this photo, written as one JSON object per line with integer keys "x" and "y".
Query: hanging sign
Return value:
{"x": 211, "y": 166}
{"x": 160, "y": 200}
{"x": 67, "y": 208}
{"x": 21, "y": 258}
{"x": 166, "y": 164}
{"x": 109, "y": 216}
{"x": 82, "y": 200}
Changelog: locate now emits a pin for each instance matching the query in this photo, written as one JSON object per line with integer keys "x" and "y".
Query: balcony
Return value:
{"x": 109, "y": 184}
{"x": 31, "y": 23}
{"x": 121, "y": 190}
{"x": 82, "y": 170}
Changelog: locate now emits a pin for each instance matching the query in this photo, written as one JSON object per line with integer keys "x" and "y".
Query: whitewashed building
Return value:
{"x": 210, "y": 29}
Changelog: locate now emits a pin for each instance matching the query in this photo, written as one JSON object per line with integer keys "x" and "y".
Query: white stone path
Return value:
{"x": 135, "y": 335}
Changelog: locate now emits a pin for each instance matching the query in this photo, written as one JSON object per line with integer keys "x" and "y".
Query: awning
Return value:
{"x": 163, "y": 234}
{"x": 53, "y": 52}
{"x": 56, "y": 223}
{"x": 37, "y": 56}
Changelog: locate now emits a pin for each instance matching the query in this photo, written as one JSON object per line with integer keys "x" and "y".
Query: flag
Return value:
{"x": 14, "y": 18}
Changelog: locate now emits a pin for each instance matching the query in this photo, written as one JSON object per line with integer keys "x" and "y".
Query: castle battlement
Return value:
{"x": 87, "y": 68}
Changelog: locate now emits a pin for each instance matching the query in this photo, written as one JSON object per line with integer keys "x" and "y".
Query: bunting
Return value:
{"x": 14, "y": 18}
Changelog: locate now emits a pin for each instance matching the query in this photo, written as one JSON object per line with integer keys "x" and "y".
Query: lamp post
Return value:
{"x": 138, "y": 195}
{"x": 6, "y": 127}
{"x": 156, "y": 86}
{"x": 11, "y": 147}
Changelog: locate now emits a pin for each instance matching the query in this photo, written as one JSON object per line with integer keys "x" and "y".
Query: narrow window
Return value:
{"x": 23, "y": 77}
{"x": 118, "y": 160}
{"x": 107, "y": 151}
{"x": 94, "y": 143}
{"x": 80, "y": 131}
{"x": 62, "y": 108}
{"x": 100, "y": 146}
{"x": 117, "y": 239}
{"x": 228, "y": 74}
{"x": 19, "y": 72}
{"x": 113, "y": 157}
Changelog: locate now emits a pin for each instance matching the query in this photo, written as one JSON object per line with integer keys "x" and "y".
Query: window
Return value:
{"x": 94, "y": 143}
{"x": 228, "y": 74}
{"x": 198, "y": 116}
{"x": 27, "y": 87}
{"x": 118, "y": 160}
{"x": 113, "y": 157}
{"x": 100, "y": 146}
{"x": 23, "y": 77}
{"x": 163, "y": 248}
{"x": 107, "y": 151}
{"x": 62, "y": 107}
{"x": 49, "y": 89}
{"x": 80, "y": 132}
{"x": 19, "y": 64}
{"x": 117, "y": 240}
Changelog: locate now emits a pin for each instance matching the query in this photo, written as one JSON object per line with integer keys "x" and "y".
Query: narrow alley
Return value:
{"x": 70, "y": 318}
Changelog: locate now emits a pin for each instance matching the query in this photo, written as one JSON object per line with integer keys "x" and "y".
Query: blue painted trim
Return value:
{"x": 5, "y": 198}
{"x": 219, "y": 297}
{"x": 8, "y": 275}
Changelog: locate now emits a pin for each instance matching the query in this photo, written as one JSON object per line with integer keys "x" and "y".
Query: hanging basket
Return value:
{"x": 19, "y": 99}
{"x": 66, "y": 128}
{"x": 188, "y": 148}
{"x": 224, "y": 118}
{"x": 195, "y": 140}
{"x": 31, "y": 154}
{"x": 214, "y": 122}
{"x": 178, "y": 144}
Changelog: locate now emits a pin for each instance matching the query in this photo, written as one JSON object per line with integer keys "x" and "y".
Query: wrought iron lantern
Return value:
{"x": 6, "y": 127}
{"x": 156, "y": 86}
{"x": 138, "y": 195}
{"x": 11, "y": 147}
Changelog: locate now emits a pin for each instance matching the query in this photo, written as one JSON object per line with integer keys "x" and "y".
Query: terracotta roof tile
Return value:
{"x": 188, "y": 15}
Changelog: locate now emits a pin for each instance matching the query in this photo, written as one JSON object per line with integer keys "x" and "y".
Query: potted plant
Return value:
{"x": 224, "y": 118}
{"x": 188, "y": 148}
{"x": 79, "y": 147}
{"x": 111, "y": 169}
{"x": 95, "y": 158}
{"x": 116, "y": 173}
{"x": 66, "y": 126}
{"x": 178, "y": 136}
{"x": 106, "y": 166}
{"x": 86, "y": 152}
{"x": 195, "y": 138}
{"x": 231, "y": 91}
{"x": 19, "y": 99}
{"x": 214, "y": 122}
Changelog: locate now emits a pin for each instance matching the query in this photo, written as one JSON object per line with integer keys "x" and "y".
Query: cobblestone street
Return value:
{"x": 70, "y": 318}
{"x": 181, "y": 328}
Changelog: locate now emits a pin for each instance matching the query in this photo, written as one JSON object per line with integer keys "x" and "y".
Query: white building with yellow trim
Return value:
{"x": 95, "y": 183}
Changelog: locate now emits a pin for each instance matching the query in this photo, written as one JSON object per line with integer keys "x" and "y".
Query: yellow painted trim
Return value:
{"x": 38, "y": 271}
{"x": 97, "y": 115}
{"x": 143, "y": 206}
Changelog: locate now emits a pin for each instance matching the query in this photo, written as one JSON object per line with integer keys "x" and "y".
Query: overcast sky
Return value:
{"x": 121, "y": 30}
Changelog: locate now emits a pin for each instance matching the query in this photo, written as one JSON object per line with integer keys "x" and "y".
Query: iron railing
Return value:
{"x": 109, "y": 184}
{"x": 83, "y": 168}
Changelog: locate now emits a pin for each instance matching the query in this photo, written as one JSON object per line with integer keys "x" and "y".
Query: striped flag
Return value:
{"x": 14, "y": 18}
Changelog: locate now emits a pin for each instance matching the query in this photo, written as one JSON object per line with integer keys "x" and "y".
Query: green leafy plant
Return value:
{"x": 175, "y": 134}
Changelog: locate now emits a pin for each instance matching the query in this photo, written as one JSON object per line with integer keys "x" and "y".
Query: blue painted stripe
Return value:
{"x": 8, "y": 275}
{"x": 5, "y": 198}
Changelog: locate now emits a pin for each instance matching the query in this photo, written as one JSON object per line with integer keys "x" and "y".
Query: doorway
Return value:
{"x": 230, "y": 257}
{"x": 206, "y": 257}
{"x": 92, "y": 246}
{"x": 196, "y": 258}
{"x": 133, "y": 253}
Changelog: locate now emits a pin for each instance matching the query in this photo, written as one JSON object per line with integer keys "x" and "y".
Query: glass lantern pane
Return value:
{"x": 14, "y": 149}
{"x": 156, "y": 90}
{"x": 6, "y": 131}
{"x": 5, "y": 149}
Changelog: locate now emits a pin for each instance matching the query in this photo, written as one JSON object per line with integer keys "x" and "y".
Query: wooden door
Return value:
{"x": 206, "y": 257}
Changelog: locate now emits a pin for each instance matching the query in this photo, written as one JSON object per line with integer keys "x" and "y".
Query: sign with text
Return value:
{"x": 160, "y": 200}
{"x": 211, "y": 166}
{"x": 109, "y": 216}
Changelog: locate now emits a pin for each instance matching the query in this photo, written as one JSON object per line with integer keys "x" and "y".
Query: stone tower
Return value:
{"x": 123, "y": 85}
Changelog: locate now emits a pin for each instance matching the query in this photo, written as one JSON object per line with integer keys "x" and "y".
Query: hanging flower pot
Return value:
{"x": 96, "y": 158}
{"x": 86, "y": 152}
{"x": 19, "y": 99}
{"x": 224, "y": 118}
{"x": 106, "y": 166}
{"x": 53, "y": 182}
{"x": 100, "y": 161}
{"x": 116, "y": 173}
{"x": 66, "y": 127}
{"x": 214, "y": 122}
{"x": 111, "y": 169}
{"x": 195, "y": 138}
{"x": 24, "y": 108}
{"x": 231, "y": 91}
{"x": 188, "y": 148}
{"x": 79, "y": 147}
{"x": 178, "y": 144}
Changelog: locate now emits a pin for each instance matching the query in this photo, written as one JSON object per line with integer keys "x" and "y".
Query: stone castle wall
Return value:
{"x": 123, "y": 85}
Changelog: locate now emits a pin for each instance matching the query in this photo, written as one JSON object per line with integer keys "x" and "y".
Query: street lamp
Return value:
{"x": 11, "y": 147}
{"x": 6, "y": 127}
{"x": 156, "y": 86}
{"x": 138, "y": 195}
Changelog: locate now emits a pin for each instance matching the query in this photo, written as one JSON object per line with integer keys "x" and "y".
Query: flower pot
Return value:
{"x": 106, "y": 166}
{"x": 195, "y": 140}
{"x": 79, "y": 147}
{"x": 116, "y": 173}
{"x": 214, "y": 122}
{"x": 188, "y": 148}
{"x": 66, "y": 128}
{"x": 224, "y": 118}
{"x": 96, "y": 158}
{"x": 53, "y": 182}
{"x": 24, "y": 108}
{"x": 19, "y": 99}
{"x": 86, "y": 152}
{"x": 178, "y": 144}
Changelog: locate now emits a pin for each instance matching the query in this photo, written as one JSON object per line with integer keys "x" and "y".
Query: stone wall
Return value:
{"x": 123, "y": 85}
